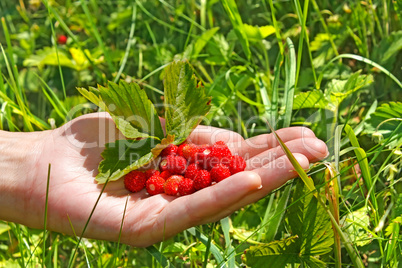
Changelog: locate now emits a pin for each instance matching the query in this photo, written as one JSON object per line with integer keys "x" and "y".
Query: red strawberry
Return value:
{"x": 163, "y": 165}
{"x": 62, "y": 39}
{"x": 171, "y": 186}
{"x": 155, "y": 184}
{"x": 220, "y": 154}
{"x": 165, "y": 174}
{"x": 170, "y": 150}
{"x": 186, "y": 187}
{"x": 190, "y": 151}
{"x": 151, "y": 172}
{"x": 191, "y": 171}
{"x": 220, "y": 172}
{"x": 203, "y": 153}
{"x": 180, "y": 149}
{"x": 179, "y": 166}
{"x": 202, "y": 179}
{"x": 135, "y": 181}
{"x": 237, "y": 164}
{"x": 174, "y": 164}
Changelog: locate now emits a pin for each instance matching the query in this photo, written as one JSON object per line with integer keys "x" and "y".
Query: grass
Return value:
{"x": 333, "y": 67}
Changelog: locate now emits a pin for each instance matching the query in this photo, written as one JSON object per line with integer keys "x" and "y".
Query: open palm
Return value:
{"x": 74, "y": 154}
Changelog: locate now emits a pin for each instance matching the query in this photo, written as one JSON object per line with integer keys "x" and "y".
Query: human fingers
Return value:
{"x": 222, "y": 199}
{"x": 209, "y": 135}
{"x": 313, "y": 148}
{"x": 203, "y": 206}
{"x": 273, "y": 175}
{"x": 256, "y": 145}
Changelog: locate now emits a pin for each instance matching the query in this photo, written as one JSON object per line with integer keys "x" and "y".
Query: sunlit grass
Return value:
{"x": 317, "y": 50}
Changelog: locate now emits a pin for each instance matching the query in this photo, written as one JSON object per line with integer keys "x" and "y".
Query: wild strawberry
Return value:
{"x": 171, "y": 185}
{"x": 151, "y": 172}
{"x": 191, "y": 171}
{"x": 220, "y": 153}
{"x": 170, "y": 150}
{"x": 186, "y": 187}
{"x": 202, "y": 179}
{"x": 165, "y": 174}
{"x": 237, "y": 164}
{"x": 179, "y": 166}
{"x": 190, "y": 151}
{"x": 174, "y": 164}
{"x": 180, "y": 149}
{"x": 62, "y": 39}
{"x": 220, "y": 172}
{"x": 202, "y": 155}
{"x": 135, "y": 181}
{"x": 155, "y": 184}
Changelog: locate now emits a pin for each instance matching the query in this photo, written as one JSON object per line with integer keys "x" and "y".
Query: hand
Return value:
{"x": 74, "y": 154}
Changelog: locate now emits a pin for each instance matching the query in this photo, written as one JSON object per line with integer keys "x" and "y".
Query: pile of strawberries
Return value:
{"x": 186, "y": 168}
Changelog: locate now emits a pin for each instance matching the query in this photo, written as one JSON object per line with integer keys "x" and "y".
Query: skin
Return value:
{"x": 74, "y": 152}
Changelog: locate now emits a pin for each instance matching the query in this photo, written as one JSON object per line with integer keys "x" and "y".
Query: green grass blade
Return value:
{"x": 332, "y": 193}
{"x": 365, "y": 170}
{"x": 324, "y": 25}
{"x": 130, "y": 41}
{"x": 53, "y": 99}
{"x": 159, "y": 257}
{"x": 277, "y": 215}
{"x": 354, "y": 255}
{"x": 74, "y": 252}
{"x": 276, "y": 26}
{"x": 45, "y": 216}
{"x": 65, "y": 28}
{"x": 275, "y": 91}
{"x": 290, "y": 82}
{"x": 237, "y": 23}
{"x": 214, "y": 249}
{"x": 57, "y": 55}
{"x": 230, "y": 251}
{"x": 307, "y": 180}
{"x": 13, "y": 67}
{"x": 149, "y": 14}
{"x": 17, "y": 92}
{"x": 362, "y": 59}
{"x": 98, "y": 36}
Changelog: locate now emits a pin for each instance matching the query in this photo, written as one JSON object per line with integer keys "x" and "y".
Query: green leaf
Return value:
{"x": 338, "y": 90}
{"x": 385, "y": 121}
{"x": 387, "y": 50}
{"x": 256, "y": 33}
{"x": 273, "y": 254}
{"x": 312, "y": 236}
{"x": 355, "y": 225}
{"x": 308, "y": 219}
{"x": 123, "y": 156}
{"x": 186, "y": 103}
{"x": 48, "y": 56}
{"x": 4, "y": 227}
{"x": 193, "y": 50}
{"x": 134, "y": 114}
{"x": 311, "y": 99}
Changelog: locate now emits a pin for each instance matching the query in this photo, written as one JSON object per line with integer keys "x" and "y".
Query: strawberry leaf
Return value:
{"x": 185, "y": 101}
{"x": 123, "y": 156}
{"x": 134, "y": 114}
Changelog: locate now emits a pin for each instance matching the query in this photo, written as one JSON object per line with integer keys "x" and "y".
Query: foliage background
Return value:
{"x": 318, "y": 63}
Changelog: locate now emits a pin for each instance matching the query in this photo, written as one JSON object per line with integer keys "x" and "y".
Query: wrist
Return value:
{"x": 18, "y": 161}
